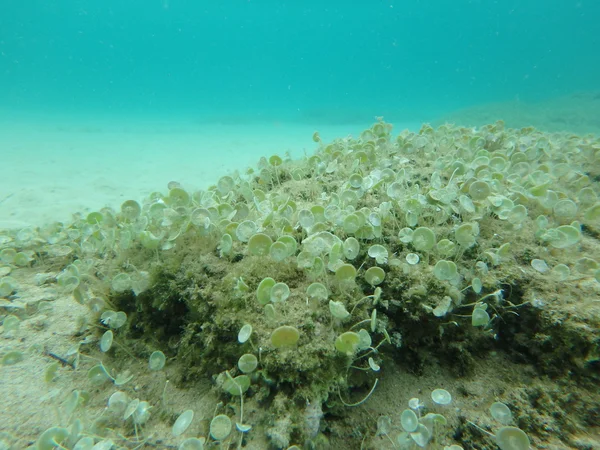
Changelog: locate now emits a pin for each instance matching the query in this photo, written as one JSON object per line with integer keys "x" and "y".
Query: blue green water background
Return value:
{"x": 311, "y": 61}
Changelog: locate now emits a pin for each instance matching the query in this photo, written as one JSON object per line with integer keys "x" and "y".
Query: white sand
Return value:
{"x": 53, "y": 167}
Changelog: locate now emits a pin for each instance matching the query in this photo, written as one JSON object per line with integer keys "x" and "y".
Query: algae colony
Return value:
{"x": 436, "y": 289}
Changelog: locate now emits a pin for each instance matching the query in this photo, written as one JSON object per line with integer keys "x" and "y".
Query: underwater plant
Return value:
{"x": 290, "y": 286}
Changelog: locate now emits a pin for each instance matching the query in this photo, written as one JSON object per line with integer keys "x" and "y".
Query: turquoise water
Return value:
{"x": 322, "y": 62}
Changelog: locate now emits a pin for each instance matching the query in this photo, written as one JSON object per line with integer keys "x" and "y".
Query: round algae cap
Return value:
{"x": 244, "y": 333}
{"x": 501, "y": 413}
{"x": 247, "y": 363}
{"x": 220, "y": 427}
{"x": 512, "y": 438}
{"x": 441, "y": 396}
{"x": 285, "y": 336}
{"x": 183, "y": 422}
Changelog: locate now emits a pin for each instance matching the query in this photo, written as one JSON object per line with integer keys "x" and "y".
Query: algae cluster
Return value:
{"x": 291, "y": 284}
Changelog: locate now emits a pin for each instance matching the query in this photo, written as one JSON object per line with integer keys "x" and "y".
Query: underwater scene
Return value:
{"x": 286, "y": 225}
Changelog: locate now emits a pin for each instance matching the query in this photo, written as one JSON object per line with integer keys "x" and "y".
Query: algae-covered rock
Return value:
{"x": 423, "y": 245}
